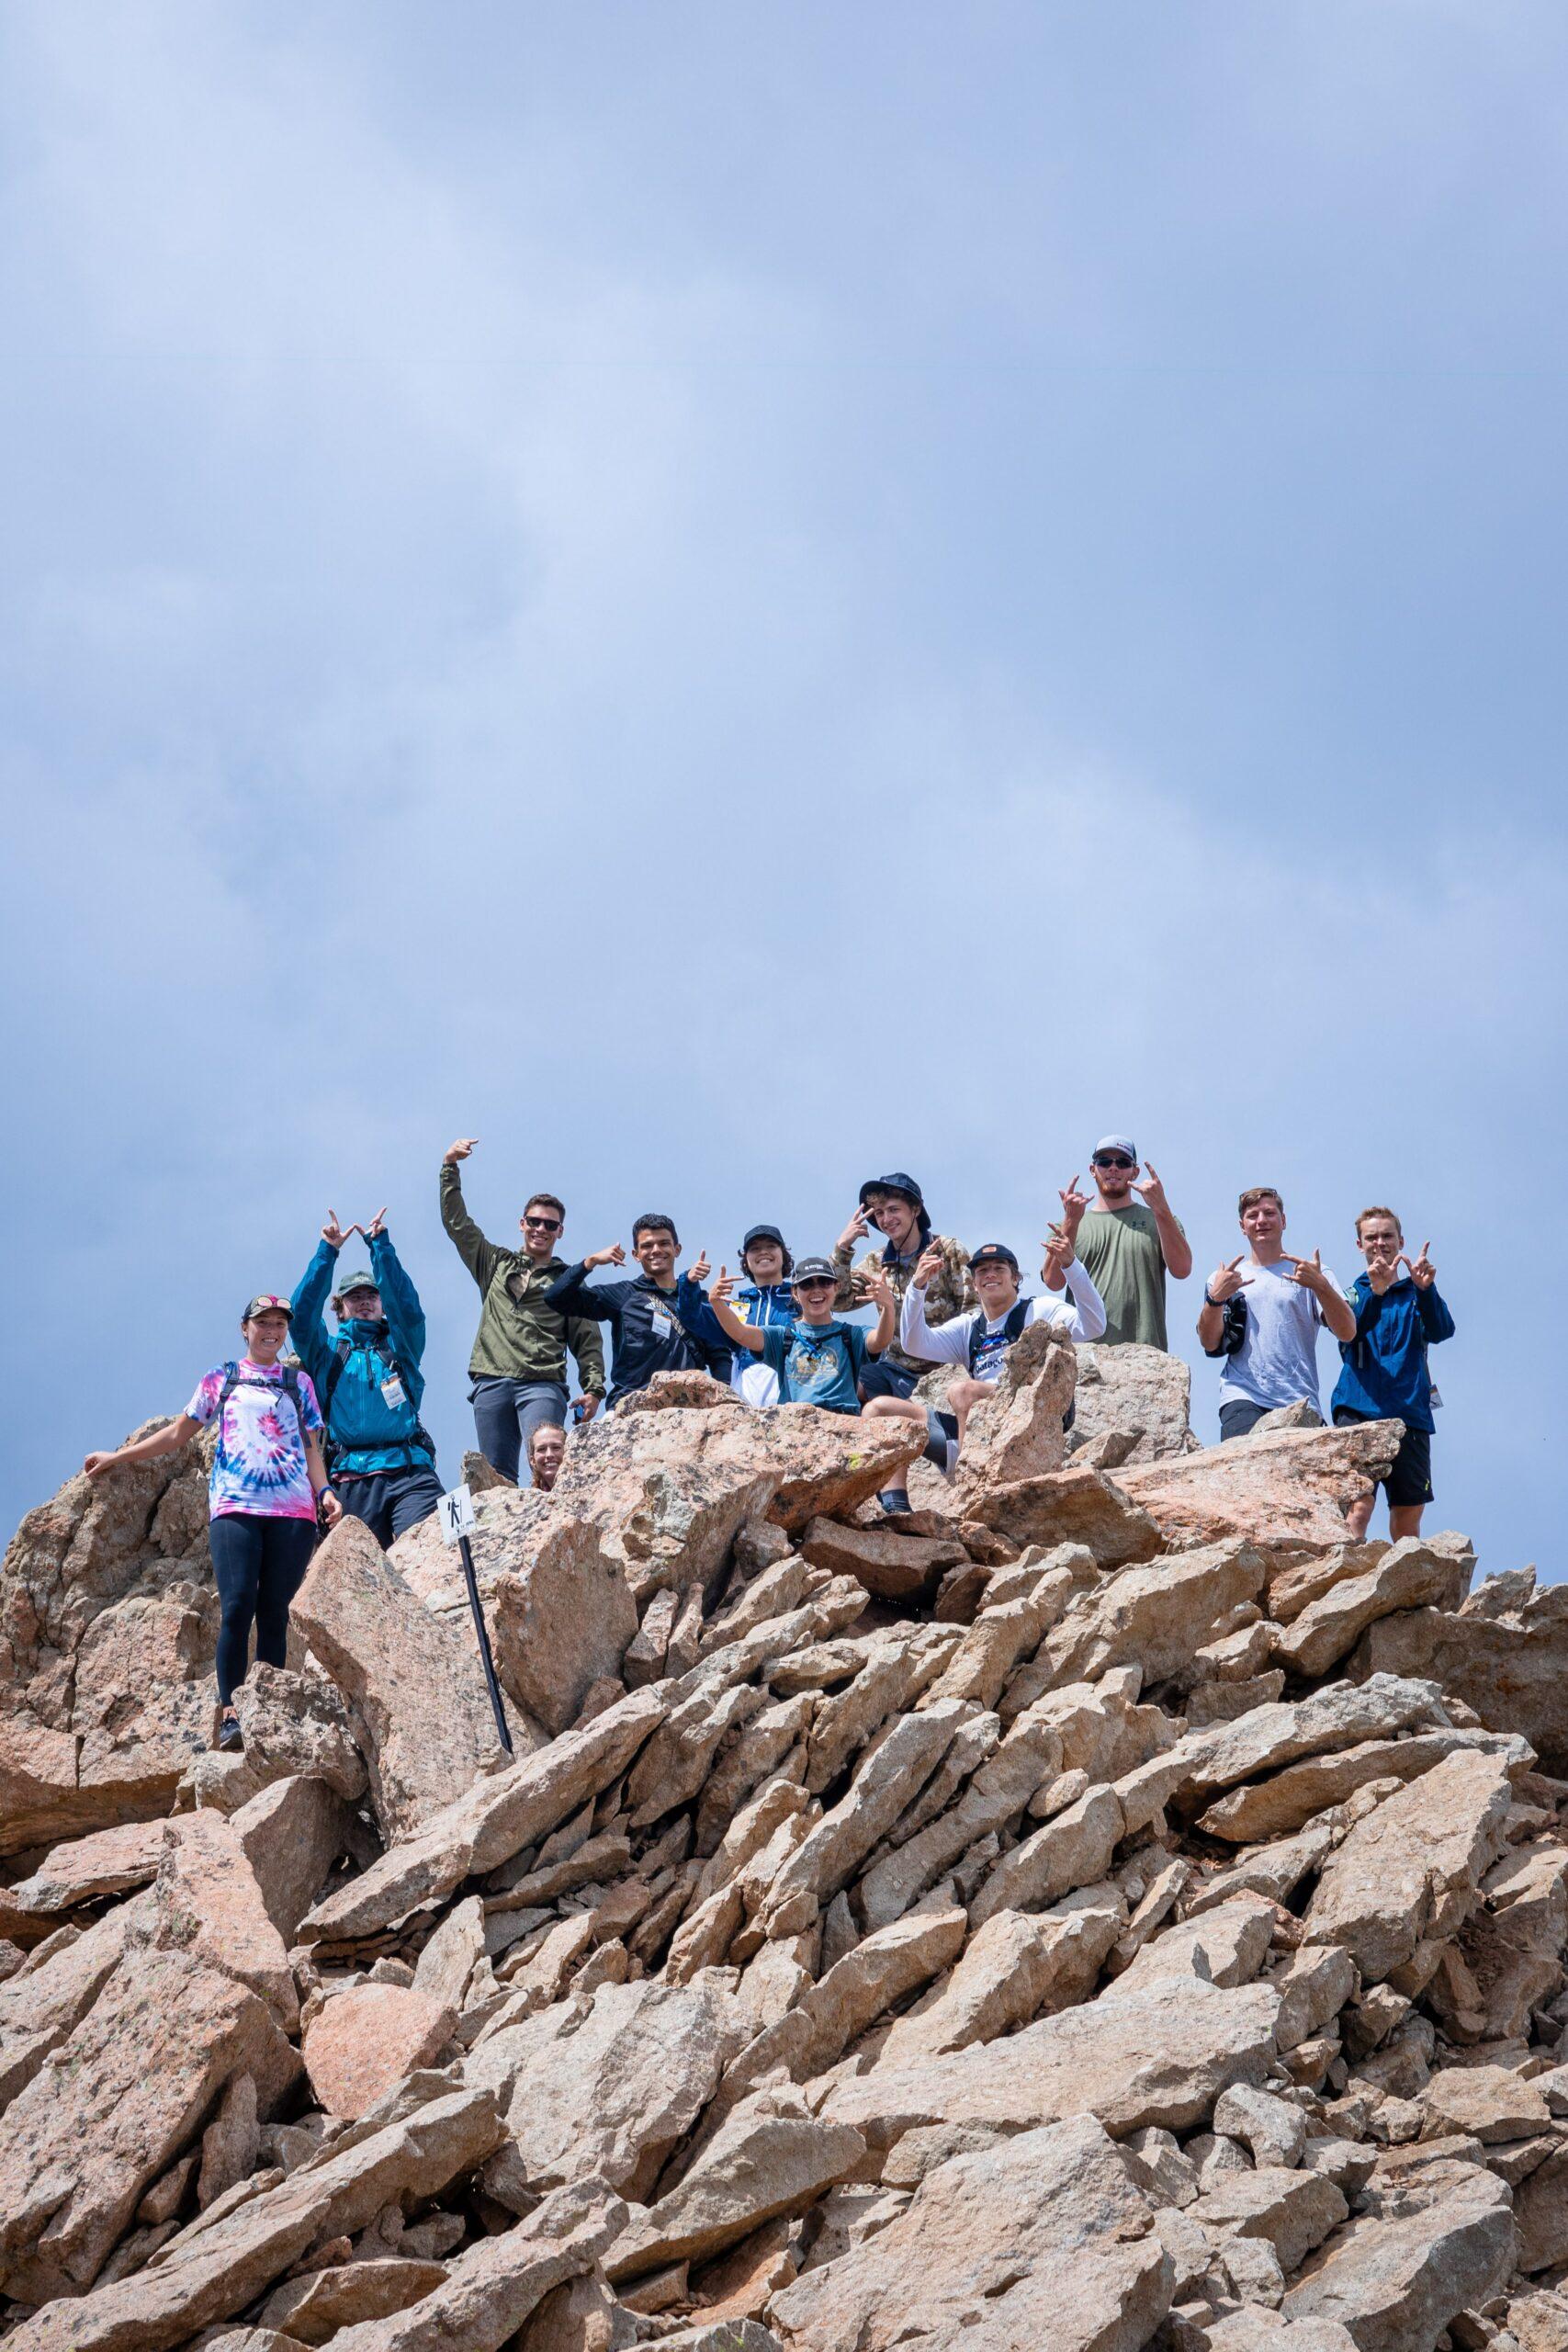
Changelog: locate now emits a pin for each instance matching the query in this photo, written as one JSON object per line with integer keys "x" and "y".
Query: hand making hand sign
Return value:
{"x": 1423, "y": 1273}
{"x": 1225, "y": 1281}
{"x": 1150, "y": 1190}
{"x": 1310, "y": 1275}
{"x": 856, "y": 1230}
{"x": 1074, "y": 1204}
{"x": 926, "y": 1271}
{"x": 614, "y": 1256}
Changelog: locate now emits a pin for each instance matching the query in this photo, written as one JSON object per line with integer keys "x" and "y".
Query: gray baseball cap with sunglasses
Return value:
{"x": 1110, "y": 1144}
{"x": 815, "y": 1269}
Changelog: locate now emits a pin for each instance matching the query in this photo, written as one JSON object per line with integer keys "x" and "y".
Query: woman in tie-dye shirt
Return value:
{"x": 267, "y": 1478}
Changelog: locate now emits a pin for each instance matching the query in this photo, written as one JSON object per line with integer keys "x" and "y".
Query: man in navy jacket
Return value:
{"x": 1398, "y": 1317}
{"x": 643, "y": 1315}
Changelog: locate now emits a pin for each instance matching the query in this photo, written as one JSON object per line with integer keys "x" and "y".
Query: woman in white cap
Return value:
{"x": 266, "y": 1485}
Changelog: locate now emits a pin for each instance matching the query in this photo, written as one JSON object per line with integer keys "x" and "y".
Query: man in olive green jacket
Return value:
{"x": 518, "y": 1366}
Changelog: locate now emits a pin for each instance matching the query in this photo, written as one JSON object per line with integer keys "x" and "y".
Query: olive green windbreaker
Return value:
{"x": 519, "y": 1336}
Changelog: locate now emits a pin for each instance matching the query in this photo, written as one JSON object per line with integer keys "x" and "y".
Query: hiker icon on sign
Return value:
{"x": 456, "y": 1514}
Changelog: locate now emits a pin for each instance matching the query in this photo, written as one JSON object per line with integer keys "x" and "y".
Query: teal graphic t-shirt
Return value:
{"x": 816, "y": 1364}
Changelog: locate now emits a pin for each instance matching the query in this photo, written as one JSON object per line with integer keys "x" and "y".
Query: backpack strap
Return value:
{"x": 343, "y": 1349}
{"x": 1017, "y": 1323}
{"x": 233, "y": 1378}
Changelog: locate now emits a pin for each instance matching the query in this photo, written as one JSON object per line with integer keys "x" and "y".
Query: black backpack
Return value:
{"x": 981, "y": 1341}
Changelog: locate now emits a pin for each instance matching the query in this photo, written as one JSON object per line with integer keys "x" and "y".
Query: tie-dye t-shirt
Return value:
{"x": 259, "y": 1465}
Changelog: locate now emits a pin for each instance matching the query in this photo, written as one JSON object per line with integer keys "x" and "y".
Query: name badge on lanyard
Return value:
{"x": 663, "y": 1327}
{"x": 394, "y": 1393}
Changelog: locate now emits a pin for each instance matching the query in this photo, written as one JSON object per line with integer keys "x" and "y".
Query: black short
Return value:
{"x": 1409, "y": 1482}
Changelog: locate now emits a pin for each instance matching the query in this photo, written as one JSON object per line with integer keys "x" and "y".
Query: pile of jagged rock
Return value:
{"x": 1104, "y": 1909}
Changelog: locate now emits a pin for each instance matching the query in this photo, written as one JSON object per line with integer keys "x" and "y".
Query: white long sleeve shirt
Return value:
{"x": 1081, "y": 1314}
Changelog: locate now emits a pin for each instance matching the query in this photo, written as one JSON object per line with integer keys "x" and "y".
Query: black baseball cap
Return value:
{"x": 992, "y": 1253}
{"x": 816, "y": 1270}
{"x": 896, "y": 1182}
{"x": 763, "y": 1233}
{"x": 267, "y": 1301}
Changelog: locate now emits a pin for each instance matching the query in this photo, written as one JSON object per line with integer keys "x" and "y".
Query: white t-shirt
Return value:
{"x": 1277, "y": 1362}
{"x": 1081, "y": 1314}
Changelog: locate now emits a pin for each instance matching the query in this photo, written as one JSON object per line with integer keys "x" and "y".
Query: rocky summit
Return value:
{"x": 1102, "y": 1909}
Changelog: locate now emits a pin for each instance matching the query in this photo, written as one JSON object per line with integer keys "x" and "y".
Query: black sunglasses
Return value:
{"x": 1112, "y": 1159}
{"x": 816, "y": 1281}
{"x": 544, "y": 1224}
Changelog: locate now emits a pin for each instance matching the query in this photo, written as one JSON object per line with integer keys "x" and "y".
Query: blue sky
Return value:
{"x": 729, "y": 597}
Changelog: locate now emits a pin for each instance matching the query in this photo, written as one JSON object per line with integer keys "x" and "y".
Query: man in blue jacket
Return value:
{"x": 369, "y": 1380}
{"x": 1385, "y": 1377}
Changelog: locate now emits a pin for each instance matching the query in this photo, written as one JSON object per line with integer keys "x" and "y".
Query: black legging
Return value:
{"x": 260, "y": 1564}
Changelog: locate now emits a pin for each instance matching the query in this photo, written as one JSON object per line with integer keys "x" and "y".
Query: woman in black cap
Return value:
{"x": 765, "y": 1297}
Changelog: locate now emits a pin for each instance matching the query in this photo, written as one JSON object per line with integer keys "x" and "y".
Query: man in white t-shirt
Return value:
{"x": 980, "y": 1340}
{"x": 1262, "y": 1314}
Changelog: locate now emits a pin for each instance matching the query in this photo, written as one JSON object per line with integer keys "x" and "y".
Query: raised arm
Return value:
{"x": 477, "y": 1254}
{"x": 405, "y": 1316}
{"x": 571, "y": 1293}
{"x": 1175, "y": 1247}
{"x": 1222, "y": 1283}
{"x": 733, "y": 1332}
{"x": 880, "y": 1291}
{"x": 306, "y": 1325}
{"x": 851, "y": 1292}
{"x": 1082, "y": 1314}
{"x": 944, "y": 1342}
{"x": 1332, "y": 1303}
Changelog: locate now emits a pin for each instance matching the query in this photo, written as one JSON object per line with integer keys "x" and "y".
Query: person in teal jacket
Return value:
{"x": 368, "y": 1379}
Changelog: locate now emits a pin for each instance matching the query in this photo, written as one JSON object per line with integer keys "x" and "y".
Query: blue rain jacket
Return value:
{"x": 363, "y": 1433}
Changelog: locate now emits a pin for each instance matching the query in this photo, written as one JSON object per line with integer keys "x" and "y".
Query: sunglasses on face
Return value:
{"x": 816, "y": 1282}
{"x": 1114, "y": 1159}
{"x": 543, "y": 1224}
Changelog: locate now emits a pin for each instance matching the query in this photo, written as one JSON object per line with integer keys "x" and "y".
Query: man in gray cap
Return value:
{"x": 1126, "y": 1245}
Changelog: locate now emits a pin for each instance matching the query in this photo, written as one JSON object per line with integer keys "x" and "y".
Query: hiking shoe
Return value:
{"x": 230, "y": 1736}
{"x": 894, "y": 1501}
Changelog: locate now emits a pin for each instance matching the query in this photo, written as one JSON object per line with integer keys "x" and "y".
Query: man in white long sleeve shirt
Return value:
{"x": 980, "y": 1340}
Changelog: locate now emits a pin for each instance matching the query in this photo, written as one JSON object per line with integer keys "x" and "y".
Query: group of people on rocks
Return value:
{"x": 314, "y": 1422}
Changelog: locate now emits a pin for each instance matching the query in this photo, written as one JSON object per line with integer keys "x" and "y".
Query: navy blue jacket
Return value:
{"x": 640, "y": 1349}
{"x": 365, "y": 1432}
{"x": 759, "y": 1304}
{"x": 1385, "y": 1365}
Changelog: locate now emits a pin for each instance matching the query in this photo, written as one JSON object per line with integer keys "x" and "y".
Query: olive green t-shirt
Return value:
{"x": 1121, "y": 1250}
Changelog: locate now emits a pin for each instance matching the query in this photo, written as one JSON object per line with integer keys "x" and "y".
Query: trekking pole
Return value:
{"x": 456, "y": 1515}
{"x": 482, "y": 1630}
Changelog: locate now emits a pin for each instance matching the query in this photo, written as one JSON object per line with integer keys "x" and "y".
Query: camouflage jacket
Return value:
{"x": 949, "y": 1293}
